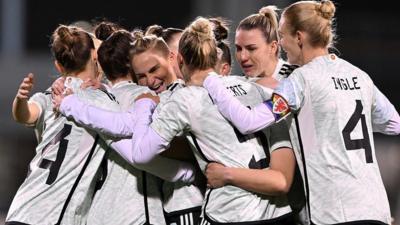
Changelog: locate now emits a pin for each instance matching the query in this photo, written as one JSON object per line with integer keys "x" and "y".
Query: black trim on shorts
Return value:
{"x": 77, "y": 180}
{"x": 183, "y": 211}
{"x": 284, "y": 220}
{"x": 175, "y": 216}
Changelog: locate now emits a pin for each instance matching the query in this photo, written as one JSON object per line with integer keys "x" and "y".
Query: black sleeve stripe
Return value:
{"x": 287, "y": 69}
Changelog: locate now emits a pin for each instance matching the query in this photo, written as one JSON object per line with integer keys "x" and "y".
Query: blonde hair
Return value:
{"x": 142, "y": 43}
{"x": 266, "y": 20}
{"x": 314, "y": 18}
{"x": 198, "y": 45}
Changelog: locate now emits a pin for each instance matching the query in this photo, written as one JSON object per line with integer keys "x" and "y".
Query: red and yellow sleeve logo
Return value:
{"x": 279, "y": 106}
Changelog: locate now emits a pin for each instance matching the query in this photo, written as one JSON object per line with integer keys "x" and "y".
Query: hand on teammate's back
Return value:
{"x": 216, "y": 177}
{"x": 57, "y": 88}
{"x": 57, "y": 98}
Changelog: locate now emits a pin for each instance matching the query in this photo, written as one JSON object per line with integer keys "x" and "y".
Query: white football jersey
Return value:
{"x": 63, "y": 173}
{"x": 179, "y": 197}
{"x": 334, "y": 103}
{"x": 190, "y": 111}
{"x": 128, "y": 195}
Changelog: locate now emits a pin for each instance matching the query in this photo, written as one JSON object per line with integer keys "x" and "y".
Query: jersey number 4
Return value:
{"x": 54, "y": 166}
{"x": 355, "y": 144}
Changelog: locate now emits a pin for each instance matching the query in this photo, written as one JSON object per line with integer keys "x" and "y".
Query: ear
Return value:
{"x": 171, "y": 56}
{"x": 225, "y": 69}
{"x": 300, "y": 38}
{"x": 274, "y": 46}
{"x": 94, "y": 55}
{"x": 179, "y": 59}
{"x": 59, "y": 67}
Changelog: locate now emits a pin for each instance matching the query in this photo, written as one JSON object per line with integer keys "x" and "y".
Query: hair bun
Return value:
{"x": 155, "y": 29}
{"x": 202, "y": 28}
{"x": 105, "y": 29}
{"x": 220, "y": 28}
{"x": 137, "y": 34}
{"x": 268, "y": 10}
{"x": 65, "y": 34}
{"x": 327, "y": 9}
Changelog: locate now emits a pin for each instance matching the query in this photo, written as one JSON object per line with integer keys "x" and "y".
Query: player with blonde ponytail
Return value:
{"x": 335, "y": 107}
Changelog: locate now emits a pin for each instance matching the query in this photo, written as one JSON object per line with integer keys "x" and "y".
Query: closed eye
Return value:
{"x": 154, "y": 68}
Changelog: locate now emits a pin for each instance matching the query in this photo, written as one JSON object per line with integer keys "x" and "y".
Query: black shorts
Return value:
{"x": 183, "y": 217}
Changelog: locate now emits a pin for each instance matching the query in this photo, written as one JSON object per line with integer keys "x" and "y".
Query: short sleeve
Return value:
{"x": 42, "y": 100}
{"x": 279, "y": 136}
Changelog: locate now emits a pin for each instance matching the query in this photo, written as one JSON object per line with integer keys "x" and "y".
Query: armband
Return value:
{"x": 278, "y": 106}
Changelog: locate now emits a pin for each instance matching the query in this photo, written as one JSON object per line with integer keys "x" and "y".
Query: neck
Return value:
{"x": 311, "y": 53}
{"x": 83, "y": 75}
{"x": 171, "y": 78}
{"x": 269, "y": 71}
{"x": 198, "y": 76}
{"x": 90, "y": 72}
{"x": 127, "y": 77}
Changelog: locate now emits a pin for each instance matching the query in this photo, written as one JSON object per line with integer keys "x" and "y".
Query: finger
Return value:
{"x": 23, "y": 92}
{"x": 84, "y": 85}
{"x": 30, "y": 77}
{"x": 25, "y": 86}
{"x": 68, "y": 91}
{"x": 59, "y": 89}
{"x": 26, "y": 81}
{"x": 21, "y": 96}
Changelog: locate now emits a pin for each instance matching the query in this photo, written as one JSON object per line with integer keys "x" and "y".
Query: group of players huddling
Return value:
{"x": 170, "y": 137}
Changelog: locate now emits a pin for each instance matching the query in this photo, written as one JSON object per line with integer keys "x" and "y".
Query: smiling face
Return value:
{"x": 253, "y": 53}
{"x": 154, "y": 70}
{"x": 289, "y": 43}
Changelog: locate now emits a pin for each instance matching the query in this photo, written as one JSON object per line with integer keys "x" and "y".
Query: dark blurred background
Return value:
{"x": 368, "y": 36}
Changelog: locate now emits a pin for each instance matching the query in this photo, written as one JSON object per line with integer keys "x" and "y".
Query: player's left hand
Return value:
{"x": 216, "y": 175}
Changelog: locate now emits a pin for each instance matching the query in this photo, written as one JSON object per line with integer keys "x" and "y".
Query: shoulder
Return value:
{"x": 99, "y": 98}
{"x": 42, "y": 99}
{"x": 354, "y": 70}
{"x": 133, "y": 90}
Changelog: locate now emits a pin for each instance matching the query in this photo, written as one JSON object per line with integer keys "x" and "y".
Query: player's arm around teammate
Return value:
{"x": 276, "y": 180}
